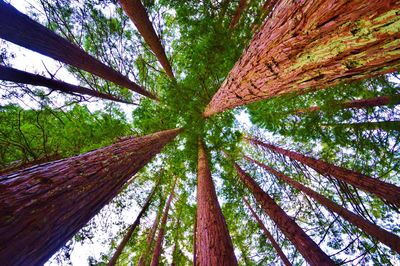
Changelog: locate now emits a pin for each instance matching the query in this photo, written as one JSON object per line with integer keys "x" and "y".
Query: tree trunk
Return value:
{"x": 18, "y": 76}
{"x": 304, "y": 244}
{"x": 45, "y": 205}
{"x": 365, "y": 126}
{"x": 266, "y": 9}
{"x": 239, "y": 10}
{"x": 16, "y": 166}
{"x": 194, "y": 239}
{"x": 213, "y": 243}
{"x": 385, "y": 191}
{"x": 137, "y": 13}
{"x": 387, "y": 238}
{"x": 20, "y": 29}
{"x": 160, "y": 237}
{"x": 132, "y": 228}
{"x": 313, "y": 44}
{"x": 268, "y": 235}
{"x": 150, "y": 237}
{"x": 358, "y": 104}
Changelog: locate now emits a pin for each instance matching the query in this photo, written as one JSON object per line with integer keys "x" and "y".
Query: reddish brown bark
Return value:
{"x": 194, "y": 238}
{"x": 131, "y": 229}
{"x": 45, "y": 205}
{"x": 357, "y": 104}
{"x": 387, "y": 238}
{"x": 385, "y": 191}
{"x": 304, "y": 244}
{"x": 213, "y": 243}
{"x": 20, "y": 29}
{"x": 137, "y": 13}
{"x": 239, "y": 10}
{"x": 160, "y": 237}
{"x": 313, "y": 44}
{"x": 18, "y": 76}
{"x": 268, "y": 235}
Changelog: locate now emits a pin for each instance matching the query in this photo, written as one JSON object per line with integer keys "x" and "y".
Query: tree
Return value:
{"x": 48, "y": 210}
{"x": 236, "y": 17}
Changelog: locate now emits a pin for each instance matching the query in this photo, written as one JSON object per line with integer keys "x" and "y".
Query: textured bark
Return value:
{"x": 356, "y": 104}
{"x": 213, "y": 243}
{"x": 304, "y": 244}
{"x": 160, "y": 237}
{"x": 268, "y": 235}
{"x": 132, "y": 228}
{"x": 18, "y": 76}
{"x": 385, "y": 191}
{"x": 239, "y": 10}
{"x": 137, "y": 13}
{"x": 20, "y": 29}
{"x": 387, "y": 238}
{"x": 45, "y": 205}
{"x": 194, "y": 239}
{"x": 313, "y": 44}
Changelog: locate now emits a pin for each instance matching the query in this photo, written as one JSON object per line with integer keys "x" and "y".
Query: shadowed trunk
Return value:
{"x": 387, "y": 238}
{"x": 18, "y": 76}
{"x": 213, "y": 243}
{"x": 385, "y": 191}
{"x": 160, "y": 237}
{"x": 132, "y": 228}
{"x": 304, "y": 244}
{"x": 45, "y": 205}
{"x": 137, "y": 13}
{"x": 268, "y": 235}
{"x": 16, "y": 166}
{"x": 313, "y": 44}
{"x": 239, "y": 10}
{"x": 20, "y": 29}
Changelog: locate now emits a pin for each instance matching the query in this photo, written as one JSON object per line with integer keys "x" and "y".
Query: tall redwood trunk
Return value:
{"x": 239, "y": 10}
{"x": 132, "y": 228}
{"x": 137, "y": 13}
{"x": 304, "y": 244}
{"x": 20, "y": 29}
{"x": 160, "y": 237}
{"x": 387, "y": 238}
{"x": 268, "y": 235}
{"x": 358, "y": 104}
{"x": 385, "y": 191}
{"x": 313, "y": 44}
{"x": 194, "y": 239}
{"x": 18, "y": 76}
{"x": 213, "y": 243}
{"x": 45, "y": 205}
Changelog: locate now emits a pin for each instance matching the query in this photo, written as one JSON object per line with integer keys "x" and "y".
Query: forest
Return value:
{"x": 207, "y": 133}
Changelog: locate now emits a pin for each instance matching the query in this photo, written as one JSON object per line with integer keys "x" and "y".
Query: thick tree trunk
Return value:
{"x": 213, "y": 243}
{"x": 387, "y": 238}
{"x": 304, "y": 244}
{"x": 357, "y": 104}
{"x": 313, "y": 44}
{"x": 18, "y": 76}
{"x": 20, "y": 29}
{"x": 45, "y": 205}
{"x": 385, "y": 191}
{"x": 137, "y": 13}
{"x": 239, "y": 10}
{"x": 268, "y": 235}
{"x": 160, "y": 237}
{"x": 132, "y": 228}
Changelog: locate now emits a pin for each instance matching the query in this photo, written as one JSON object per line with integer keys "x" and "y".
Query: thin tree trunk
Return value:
{"x": 313, "y": 44}
{"x": 268, "y": 235}
{"x": 239, "y": 10}
{"x": 137, "y": 13}
{"x": 387, "y": 238}
{"x": 365, "y": 126}
{"x": 357, "y": 104}
{"x": 385, "y": 191}
{"x": 266, "y": 9}
{"x": 45, "y": 205}
{"x": 194, "y": 239}
{"x": 20, "y": 29}
{"x": 175, "y": 250}
{"x": 304, "y": 244}
{"x": 213, "y": 243}
{"x": 160, "y": 237}
{"x": 132, "y": 228}
{"x": 18, "y": 76}
{"x": 150, "y": 237}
